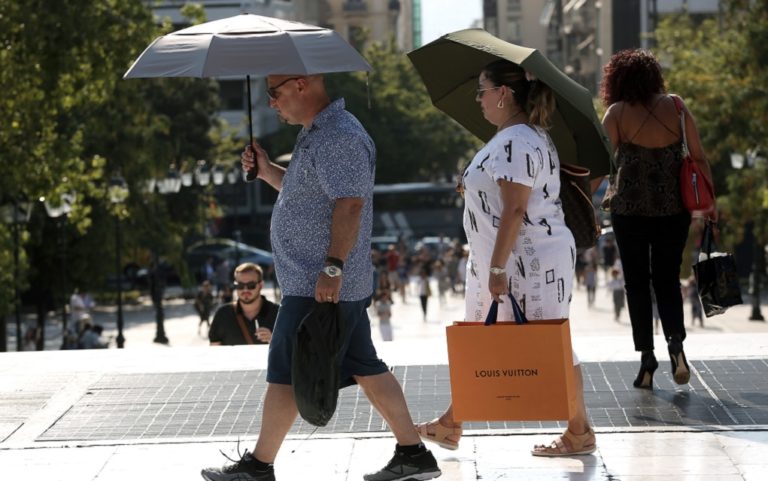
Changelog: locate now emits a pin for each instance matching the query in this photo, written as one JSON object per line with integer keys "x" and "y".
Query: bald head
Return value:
{"x": 297, "y": 98}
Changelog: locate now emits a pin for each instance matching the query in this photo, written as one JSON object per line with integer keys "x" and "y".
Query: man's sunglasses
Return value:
{"x": 272, "y": 91}
{"x": 246, "y": 285}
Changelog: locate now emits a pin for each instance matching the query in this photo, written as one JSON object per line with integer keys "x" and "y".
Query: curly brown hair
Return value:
{"x": 631, "y": 76}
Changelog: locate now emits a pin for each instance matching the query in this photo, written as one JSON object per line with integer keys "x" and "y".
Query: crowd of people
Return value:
{"x": 393, "y": 269}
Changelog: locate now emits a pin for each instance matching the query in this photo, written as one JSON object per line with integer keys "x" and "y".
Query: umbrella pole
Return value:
{"x": 251, "y": 175}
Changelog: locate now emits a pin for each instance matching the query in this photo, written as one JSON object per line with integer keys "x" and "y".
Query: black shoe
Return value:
{"x": 680, "y": 370}
{"x": 403, "y": 467}
{"x": 648, "y": 365}
{"x": 241, "y": 470}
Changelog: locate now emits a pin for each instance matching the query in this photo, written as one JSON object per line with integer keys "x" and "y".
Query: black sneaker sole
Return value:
{"x": 238, "y": 477}
{"x": 423, "y": 476}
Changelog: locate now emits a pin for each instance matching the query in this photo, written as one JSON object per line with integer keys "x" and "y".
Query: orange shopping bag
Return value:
{"x": 511, "y": 371}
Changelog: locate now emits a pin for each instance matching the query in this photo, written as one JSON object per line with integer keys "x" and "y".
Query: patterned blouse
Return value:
{"x": 647, "y": 181}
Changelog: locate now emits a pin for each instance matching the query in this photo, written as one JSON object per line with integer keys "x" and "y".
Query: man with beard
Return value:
{"x": 248, "y": 320}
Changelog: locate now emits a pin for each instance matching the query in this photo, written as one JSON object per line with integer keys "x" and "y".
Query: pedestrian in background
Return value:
{"x": 590, "y": 281}
{"x": 424, "y": 291}
{"x": 649, "y": 220}
{"x": 384, "y": 312}
{"x": 697, "y": 310}
{"x": 616, "y": 288}
{"x": 204, "y": 305}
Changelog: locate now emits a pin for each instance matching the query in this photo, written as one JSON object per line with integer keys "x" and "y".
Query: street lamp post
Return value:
{"x": 171, "y": 184}
{"x": 118, "y": 192}
{"x": 61, "y": 213}
{"x": 17, "y": 213}
{"x": 738, "y": 161}
{"x": 758, "y": 266}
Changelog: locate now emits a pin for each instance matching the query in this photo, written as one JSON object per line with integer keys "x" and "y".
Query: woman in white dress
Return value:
{"x": 514, "y": 223}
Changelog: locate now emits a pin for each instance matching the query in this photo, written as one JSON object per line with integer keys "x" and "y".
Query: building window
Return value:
{"x": 231, "y": 94}
{"x": 513, "y": 31}
{"x": 514, "y": 7}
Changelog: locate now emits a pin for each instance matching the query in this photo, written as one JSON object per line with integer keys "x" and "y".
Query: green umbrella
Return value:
{"x": 450, "y": 65}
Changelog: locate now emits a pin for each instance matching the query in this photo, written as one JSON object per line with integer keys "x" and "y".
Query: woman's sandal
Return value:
{"x": 444, "y": 437}
{"x": 569, "y": 444}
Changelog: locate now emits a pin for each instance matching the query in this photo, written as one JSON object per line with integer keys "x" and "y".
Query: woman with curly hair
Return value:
{"x": 647, "y": 212}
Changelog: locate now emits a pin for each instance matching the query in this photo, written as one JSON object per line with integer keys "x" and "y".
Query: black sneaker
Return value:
{"x": 241, "y": 470}
{"x": 403, "y": 467}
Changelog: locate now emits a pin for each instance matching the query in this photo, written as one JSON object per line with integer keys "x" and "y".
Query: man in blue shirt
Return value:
{"x": 320, "y": 232}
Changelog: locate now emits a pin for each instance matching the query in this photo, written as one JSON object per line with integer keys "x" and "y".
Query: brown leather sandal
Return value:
{"x": 444, "y": 437}
{"x": 569, "y": 444}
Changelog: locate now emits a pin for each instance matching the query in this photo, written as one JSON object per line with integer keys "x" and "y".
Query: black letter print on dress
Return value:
{"x": 543, "y": 222}
{"x": 551, "y": 164}
{"x": 529, "y": 165}
{"x": 546, "y": 194}
{"x": 520, "y": 267}
{"x": 472, "y": 220}
{"x": 508, "y": 150}
{"x": 526, "y": 219}
{"x": 484, "y": 201}
{"x": 481, "y": 165}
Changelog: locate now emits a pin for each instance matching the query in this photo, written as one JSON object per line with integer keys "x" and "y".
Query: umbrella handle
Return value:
{"x": 251, "y": 175}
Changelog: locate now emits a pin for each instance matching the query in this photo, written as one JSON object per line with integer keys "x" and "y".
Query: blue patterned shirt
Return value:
{"x": 332, "y": 159}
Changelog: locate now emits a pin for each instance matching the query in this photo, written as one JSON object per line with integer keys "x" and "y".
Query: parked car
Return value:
{"x": 219, "y": 249}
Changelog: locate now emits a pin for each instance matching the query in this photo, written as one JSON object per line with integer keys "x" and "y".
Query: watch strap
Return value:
{"x": 335, "y": 261}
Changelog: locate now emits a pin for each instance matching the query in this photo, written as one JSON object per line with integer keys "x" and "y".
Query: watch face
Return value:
{"x": 332, "y": 271}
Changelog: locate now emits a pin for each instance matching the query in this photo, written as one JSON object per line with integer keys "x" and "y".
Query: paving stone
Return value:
{"x": 204, "y": 404}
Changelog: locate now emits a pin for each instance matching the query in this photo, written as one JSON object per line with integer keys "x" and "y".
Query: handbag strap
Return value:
{"x": 679, "y": 106}
{"x": 493, "y": 312}
{"x": 708, "y": 239}
{"x": 241, "y": 323}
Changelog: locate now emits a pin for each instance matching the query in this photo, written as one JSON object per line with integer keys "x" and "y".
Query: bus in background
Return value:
{"x": 416, "y": 210}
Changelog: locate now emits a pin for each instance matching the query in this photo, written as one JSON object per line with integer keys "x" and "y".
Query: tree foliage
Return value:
{"x": 70, "y": 122}
{"x": 720, "y": 66}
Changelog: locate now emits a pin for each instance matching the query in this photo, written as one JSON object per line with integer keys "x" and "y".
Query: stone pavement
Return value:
{"x": 156, "y": 412}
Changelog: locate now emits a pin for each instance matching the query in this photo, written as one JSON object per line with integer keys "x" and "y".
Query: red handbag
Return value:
{"x": 696, "y": 190}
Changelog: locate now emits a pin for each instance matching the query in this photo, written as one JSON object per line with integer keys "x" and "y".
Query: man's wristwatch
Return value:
{"x": 332, "y": 271}
{"x": 335, "y": 261}
{"x": 497, "y": 271}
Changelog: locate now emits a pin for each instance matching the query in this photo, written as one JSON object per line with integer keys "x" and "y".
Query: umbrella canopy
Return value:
{"x": 450, "y": 66}
{"x": 247, "y": 44}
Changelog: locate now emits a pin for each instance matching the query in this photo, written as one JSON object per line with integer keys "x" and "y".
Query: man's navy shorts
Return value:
{"x": 358, "y": 355}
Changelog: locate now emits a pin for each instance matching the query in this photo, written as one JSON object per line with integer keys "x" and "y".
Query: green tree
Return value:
{"x": 719, "y": 66}
{"x": 58, "y": 62}
{"x": 70, "y": 122}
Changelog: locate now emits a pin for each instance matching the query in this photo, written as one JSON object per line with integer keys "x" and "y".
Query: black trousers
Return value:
{"x": 651, "y": 250}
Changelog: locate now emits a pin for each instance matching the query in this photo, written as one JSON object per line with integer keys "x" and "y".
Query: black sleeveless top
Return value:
{"x": 647, "y": 180}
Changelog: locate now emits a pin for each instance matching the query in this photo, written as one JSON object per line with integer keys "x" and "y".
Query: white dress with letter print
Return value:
{"x": 540, "y": 268}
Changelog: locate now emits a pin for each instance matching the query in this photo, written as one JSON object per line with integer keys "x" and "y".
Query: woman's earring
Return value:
{"x": 500, "y": 104}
